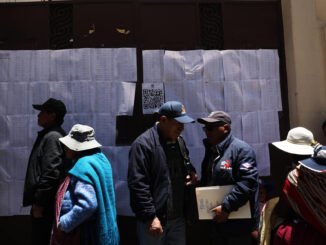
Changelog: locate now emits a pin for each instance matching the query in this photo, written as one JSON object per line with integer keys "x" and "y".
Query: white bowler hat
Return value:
{"x": 299, "y": 141}
{"x": 80, "y": 138}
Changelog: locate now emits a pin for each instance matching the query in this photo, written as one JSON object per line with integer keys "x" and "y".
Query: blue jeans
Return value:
{"x": 174, "y": 233}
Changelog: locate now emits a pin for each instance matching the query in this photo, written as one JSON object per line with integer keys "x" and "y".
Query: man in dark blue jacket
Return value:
{"x": 230, "y": 161}
{"x": 157, "y": 178}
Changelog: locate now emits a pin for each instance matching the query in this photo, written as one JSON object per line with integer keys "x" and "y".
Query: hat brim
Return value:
{"x": 294, "y": 148}
{"x": 206, "y": 120}
{"x": 38, "y": 107}
{"x": 79, "y": 146}
{"x": 184, "y": 119}
{"x": 315, "y": 164}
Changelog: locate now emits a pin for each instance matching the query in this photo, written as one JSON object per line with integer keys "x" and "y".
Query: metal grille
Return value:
{"x": 61, "y": 23}
{"x": 211, "y": 26}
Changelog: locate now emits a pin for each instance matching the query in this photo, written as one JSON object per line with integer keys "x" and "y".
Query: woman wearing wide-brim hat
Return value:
{"x": 85, "y": 202}
{"x": 302, "y": 204}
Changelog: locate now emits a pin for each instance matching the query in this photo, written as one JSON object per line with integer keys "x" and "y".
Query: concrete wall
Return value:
{"x": 305, "y": 49}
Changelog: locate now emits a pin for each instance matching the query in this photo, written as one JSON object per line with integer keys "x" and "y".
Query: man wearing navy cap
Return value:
{"x": 158, "y": 174}
{"x": 230, "y": 161}
{"x": 44, "y": 168}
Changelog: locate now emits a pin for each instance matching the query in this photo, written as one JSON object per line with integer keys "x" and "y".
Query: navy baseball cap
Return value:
{"x": 317, "y": 162}
{"x": 176, "y": 110}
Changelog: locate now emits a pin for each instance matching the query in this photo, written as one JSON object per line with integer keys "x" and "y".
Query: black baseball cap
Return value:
{"x": 52, "y": 105}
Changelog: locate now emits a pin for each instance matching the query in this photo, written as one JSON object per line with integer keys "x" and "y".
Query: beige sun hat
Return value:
{"x": 299, "y": 141}
{"x": 80, "y": 138}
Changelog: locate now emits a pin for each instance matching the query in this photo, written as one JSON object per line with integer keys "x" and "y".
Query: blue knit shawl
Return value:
{"x": 96, "y": 170}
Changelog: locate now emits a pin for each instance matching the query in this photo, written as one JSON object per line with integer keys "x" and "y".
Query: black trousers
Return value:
{"x": 41, "y": 229}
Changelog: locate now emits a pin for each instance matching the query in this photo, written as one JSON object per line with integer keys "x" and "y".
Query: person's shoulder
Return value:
{"x": 240, "y": 143}
{"x": 242, "y": 147}
{"x": 53, "y": 134}
{"x": 145, "y": 138}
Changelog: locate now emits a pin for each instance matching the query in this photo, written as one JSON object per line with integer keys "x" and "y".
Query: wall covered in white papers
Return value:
{"x": 244, "y": 83}
{"x": 99, "y": 84}
{"x": 96, "y": 85}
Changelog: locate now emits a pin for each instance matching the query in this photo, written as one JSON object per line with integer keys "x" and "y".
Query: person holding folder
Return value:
{"x": 230, "y": 161}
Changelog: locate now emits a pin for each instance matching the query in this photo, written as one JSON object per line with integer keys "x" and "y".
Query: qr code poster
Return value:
{"x": 153, "y": 97}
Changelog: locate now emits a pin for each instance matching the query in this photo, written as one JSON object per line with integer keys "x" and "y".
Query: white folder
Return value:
{"x": 212, "y": 196}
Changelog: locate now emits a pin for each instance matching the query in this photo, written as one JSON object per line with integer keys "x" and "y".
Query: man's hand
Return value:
{"x": 155, "y": 228}
{"x": 192, "y": 179}
{"x": 219, "y": 214}
{"x": 37, "y": 211}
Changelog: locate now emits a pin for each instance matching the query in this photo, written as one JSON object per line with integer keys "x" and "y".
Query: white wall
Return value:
{"x": 305, "y": 49}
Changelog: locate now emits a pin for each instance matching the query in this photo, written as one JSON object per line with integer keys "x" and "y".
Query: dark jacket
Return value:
{"x": 235, "y": 164}
{"x": 148, "y": 177}
{"x": 45, "y": 165}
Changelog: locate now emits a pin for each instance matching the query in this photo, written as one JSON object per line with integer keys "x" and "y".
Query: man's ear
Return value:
{"x": 53, "y": 115}
{"x": 163, "y": 118}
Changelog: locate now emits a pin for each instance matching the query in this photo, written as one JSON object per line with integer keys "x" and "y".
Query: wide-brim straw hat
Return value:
{"x": 80, "y": 138}
{"x": 299, "y": 141}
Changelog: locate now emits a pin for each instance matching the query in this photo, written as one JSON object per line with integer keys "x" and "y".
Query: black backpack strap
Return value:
{"x": 184, "y": 154}
{"x": 190, "y": 209}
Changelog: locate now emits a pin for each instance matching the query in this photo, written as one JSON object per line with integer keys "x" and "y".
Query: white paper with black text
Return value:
{"x": 214, "y": 96}
{"x": 190, "y": 93}
{"x": 213, "y": 66}
{"x": 233, "y": 96}
{"x": 213, "y": 196}
{"x": 231, "y": 65}
{"x": 262, "y": 158}
{"x": 236, "y": 124}
{"x": 250, "y": 127}
{"x": 268, "y": 61}
{"x": 60, "y": 65}
{"x": 249, "y": 68}
{"x": 17, "y": 98}
{"x": 251, "y": 95}
{"x": 153, "y": 66}
{"x": 269, "y": 130}
{"x": 125, "y": 65}
{"x": 81, "y": 64}
{"x": 20, "y": 66}
{"x": 193, "y": 64}
{"x": 5, "y": 57}
{"x": 174, "y": 66}
{"x": 40, "y": 65}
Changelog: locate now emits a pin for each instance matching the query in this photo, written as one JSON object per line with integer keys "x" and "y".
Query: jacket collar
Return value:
{"x": 46, "y": 130}
{"x": 159, "y": 139}
{"x": 221, "y": 146}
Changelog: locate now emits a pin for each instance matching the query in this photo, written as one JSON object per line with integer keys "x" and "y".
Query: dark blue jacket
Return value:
{"x": 235, "y": 164}
{"x": 148, "y": 177}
